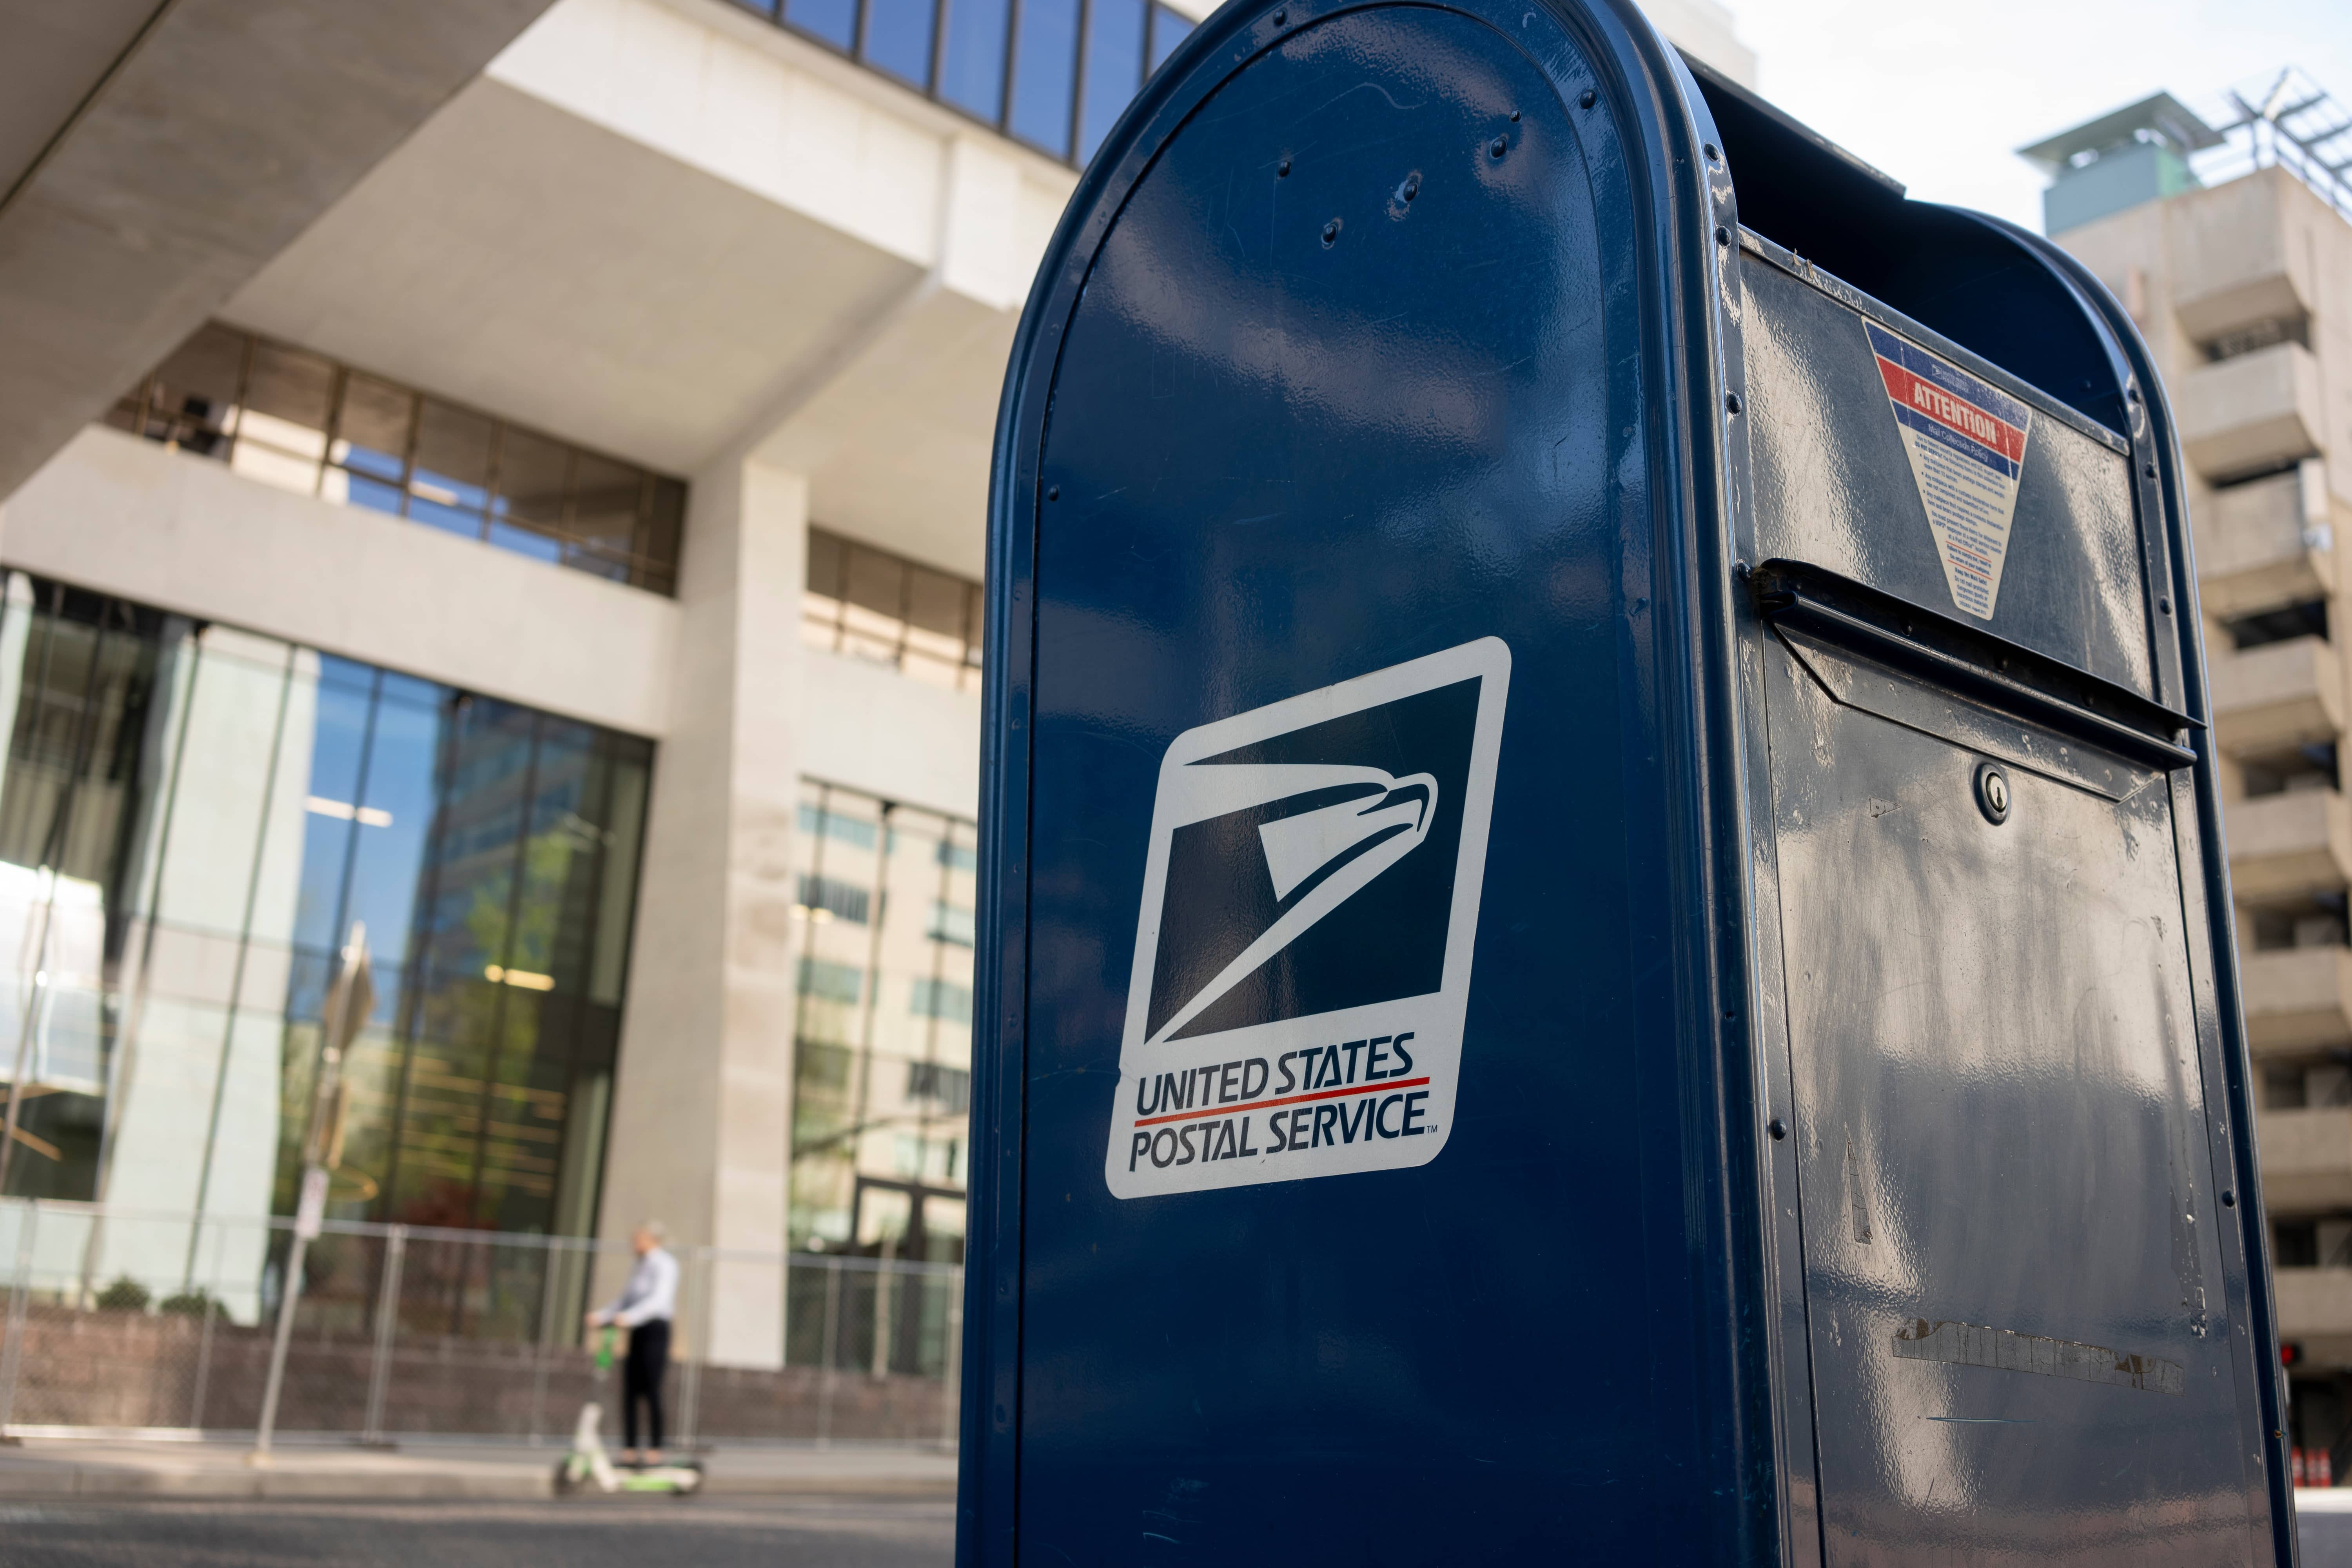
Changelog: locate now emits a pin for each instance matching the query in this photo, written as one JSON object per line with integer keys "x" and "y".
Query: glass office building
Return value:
{"x": 883, "y": 1036}
{"x": 192, "y": 819}
{"x": 1054, "y": 74}
{"x": 299, "y": 421}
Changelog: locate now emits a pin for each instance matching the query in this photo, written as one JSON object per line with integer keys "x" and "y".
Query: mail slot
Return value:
{"x": 1605, "y": 933}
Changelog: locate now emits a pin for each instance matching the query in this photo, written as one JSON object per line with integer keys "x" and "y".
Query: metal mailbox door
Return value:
{"x": 1347, "y": 1055}
{"x": 2010, "y": 1212}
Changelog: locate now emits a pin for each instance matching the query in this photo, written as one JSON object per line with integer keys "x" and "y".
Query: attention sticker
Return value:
{"x": 1302, "y": 951}
{"x": 1967, "y": 441}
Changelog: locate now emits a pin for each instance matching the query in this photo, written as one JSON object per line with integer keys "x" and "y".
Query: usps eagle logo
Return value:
{"x": 1303, "y": 949}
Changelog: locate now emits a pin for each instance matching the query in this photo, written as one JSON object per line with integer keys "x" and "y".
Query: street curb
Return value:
{"x": 94, "y": 1481}
{"x": 214, "y": 1484}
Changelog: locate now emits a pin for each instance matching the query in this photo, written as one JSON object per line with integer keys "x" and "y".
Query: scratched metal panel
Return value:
{"x": 1337, "y": 394}
{"x": 1834, "y": 488}
{"x": 2011, "y": 1264}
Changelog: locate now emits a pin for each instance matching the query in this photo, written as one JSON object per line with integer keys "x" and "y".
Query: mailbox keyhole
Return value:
{"x": 1992, "y": 793}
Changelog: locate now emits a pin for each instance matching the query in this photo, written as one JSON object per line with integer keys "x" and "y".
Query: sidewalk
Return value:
{"x": 88, "y": 1467}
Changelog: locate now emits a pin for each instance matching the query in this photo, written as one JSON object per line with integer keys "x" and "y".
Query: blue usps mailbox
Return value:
{"x": 1605, "y": 935}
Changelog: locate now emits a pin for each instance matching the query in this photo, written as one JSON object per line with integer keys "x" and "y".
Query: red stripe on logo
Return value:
{"x": 1286, "y": 1100}
{"x": 1954, "y": 413}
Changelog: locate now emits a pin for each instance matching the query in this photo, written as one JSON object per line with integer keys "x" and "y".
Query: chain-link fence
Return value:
{"x": 161, "y": 1324}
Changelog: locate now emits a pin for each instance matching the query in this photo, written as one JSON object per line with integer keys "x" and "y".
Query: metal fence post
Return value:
{"x": 551, "y": 1259}
{"x": 952, "y": 1372}
{"x": 204, "y": 1367}
{"x": 12, "y": 1356}
{"x": 387, "y": 1324}
{"x": 831, "y": 1352}
{"x": 289, "y": 1295}
{"x": 886, "y": 1285}
{"x": 212, "y": 1317}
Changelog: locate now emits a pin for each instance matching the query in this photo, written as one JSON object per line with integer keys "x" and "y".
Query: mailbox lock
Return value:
{"x": 1993, "y": 793}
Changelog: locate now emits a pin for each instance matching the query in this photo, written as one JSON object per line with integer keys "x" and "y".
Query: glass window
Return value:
{"x": 966, "y": 69}
{"x": 288, "y": 396}
{"x": 821, "y": 608}
{"x": 606, "y": 498}
{"x": 526, "y": 514}
{"x": 951, "y": 1087}
{"x": 950, "y": 923}
{"x": 832, "y": 896}
{"x": 448, "y": 482}
{"x": 899, "y": 38}
{"x": 1045, "y": 74}
{"x": 198, "y": 818}
{"x": 943, "y": 999}
{"x": 974, "y": 611}
{"x": 627, "y": 769}
{"x": 282, "y": 433}
{"x": 659, "y": 539}
{"x": 372, "y": 440}
{"x": 972, "y": 73}
{"x": 832, "y": 21}
{"x": 882, "y": 608}
{"x": 936, "y": 634}
{"x": 303, "y": 423}
{"x": 330, "y": 808}
{"x": 874, "y": 611}
{"x": 191, "y": 400}
{"x": 883, "y": 1037}
{"x": 831, "y": 982}
{"x": 1169, "y": 29}
{"x": 1113, "y": 67}
{"x": 859, "y": 833}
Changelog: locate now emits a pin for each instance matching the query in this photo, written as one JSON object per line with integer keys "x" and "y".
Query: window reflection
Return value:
{"x": 303, "y": 423}
{"x": 874, "y": 606}
{"x": 1054, "y": 91}
{"x": 1115, "y": 52}
{"x": 1045, "y": 74}
{"x": 192, "y": 818}
{"x": 883, "y": 1028}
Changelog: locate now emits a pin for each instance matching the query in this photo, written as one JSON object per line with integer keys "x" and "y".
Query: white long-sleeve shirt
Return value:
{"x": 651, "y": 1292}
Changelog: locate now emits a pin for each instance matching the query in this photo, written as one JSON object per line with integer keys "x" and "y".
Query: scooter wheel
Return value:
{"x": 564, "y": 1484}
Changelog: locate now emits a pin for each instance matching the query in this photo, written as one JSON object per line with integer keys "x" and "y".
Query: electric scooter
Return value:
{"x": 587, "y": 1463}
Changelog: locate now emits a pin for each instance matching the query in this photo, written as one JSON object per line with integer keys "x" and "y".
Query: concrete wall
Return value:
{"x": 124, "y": 516}
{"x": 217, "y": 132}
{"x": 873, "y": 729}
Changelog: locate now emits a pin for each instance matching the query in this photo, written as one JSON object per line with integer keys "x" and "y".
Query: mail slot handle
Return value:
{"x": 1975, "y": 664}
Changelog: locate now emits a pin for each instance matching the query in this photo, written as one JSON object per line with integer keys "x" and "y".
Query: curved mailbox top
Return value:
{"x": 1419, "y": 497}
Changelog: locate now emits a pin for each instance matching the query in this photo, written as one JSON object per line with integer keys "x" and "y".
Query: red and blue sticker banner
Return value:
{"x": 1967, "y": 441}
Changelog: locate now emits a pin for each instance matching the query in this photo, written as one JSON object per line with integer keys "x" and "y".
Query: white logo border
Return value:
{"x": 1486, "y": 660}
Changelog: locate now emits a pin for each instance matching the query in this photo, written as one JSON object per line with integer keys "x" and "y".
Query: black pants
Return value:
{"x": 641, "y": 1378}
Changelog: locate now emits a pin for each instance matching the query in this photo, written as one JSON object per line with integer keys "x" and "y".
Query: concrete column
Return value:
{"x": 701, "y": 1128}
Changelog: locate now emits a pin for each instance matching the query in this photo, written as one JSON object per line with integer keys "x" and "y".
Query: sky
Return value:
{"x": 1939, "y": 94}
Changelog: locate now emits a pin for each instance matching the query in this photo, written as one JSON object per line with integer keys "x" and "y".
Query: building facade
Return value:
{"x": 548, "y": 534}
{"x": 2239, "y": 276}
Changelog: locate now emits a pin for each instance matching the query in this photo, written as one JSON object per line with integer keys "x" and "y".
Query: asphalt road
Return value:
{"x": 711, "y": 1532}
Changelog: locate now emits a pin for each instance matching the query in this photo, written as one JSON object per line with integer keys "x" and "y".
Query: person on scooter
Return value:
{"x": 645, "y": 1308}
